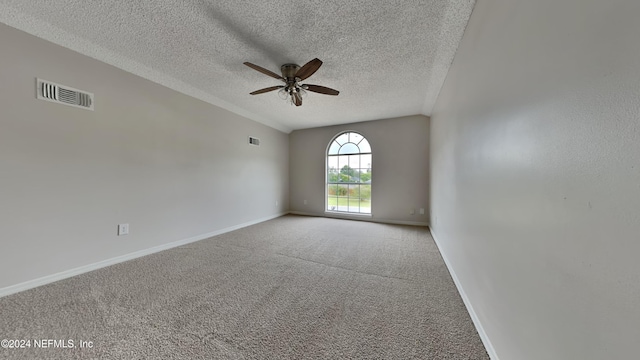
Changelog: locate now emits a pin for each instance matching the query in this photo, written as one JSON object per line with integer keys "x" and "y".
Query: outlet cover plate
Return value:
{"x": 123, "y": 229}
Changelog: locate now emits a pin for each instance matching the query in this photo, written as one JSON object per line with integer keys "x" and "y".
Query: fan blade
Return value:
{"x": 262, "y": 91}
{"x": 297, "y": 99}
{"x": 321, "y": 89}
{"x": 263, "y": 70}
{"x": 308, "y": 69}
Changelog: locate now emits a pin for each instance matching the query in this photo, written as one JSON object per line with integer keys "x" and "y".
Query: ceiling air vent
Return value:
{"x": 64, "y": 95}
{"x": 254, "y": 141}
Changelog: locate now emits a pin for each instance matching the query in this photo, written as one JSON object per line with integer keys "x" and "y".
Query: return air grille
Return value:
{"x": 63, "y": 94}
{"x": 254, "y": 141}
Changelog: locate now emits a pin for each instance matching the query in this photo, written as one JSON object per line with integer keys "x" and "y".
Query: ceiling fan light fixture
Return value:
{"x": 283, "y": 94}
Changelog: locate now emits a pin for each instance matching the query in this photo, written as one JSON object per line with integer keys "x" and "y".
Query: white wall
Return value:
{"x": 400, "y": 152}
{"x": 171, "y": 166}
{"x": 535, "y": 182}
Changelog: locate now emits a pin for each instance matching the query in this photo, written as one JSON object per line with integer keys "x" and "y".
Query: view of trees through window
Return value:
{"x": 349, "y": 174}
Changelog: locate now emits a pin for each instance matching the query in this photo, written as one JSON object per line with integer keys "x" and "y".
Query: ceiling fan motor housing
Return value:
{"x": 289, "y": 71}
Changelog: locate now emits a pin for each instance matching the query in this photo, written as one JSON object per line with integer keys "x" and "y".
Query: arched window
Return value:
{"x": 349, "y": 174}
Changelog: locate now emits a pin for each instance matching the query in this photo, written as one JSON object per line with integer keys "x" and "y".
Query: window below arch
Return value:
{"x": 349, "y": 174}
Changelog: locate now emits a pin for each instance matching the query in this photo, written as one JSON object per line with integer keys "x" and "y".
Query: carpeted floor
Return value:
{"x": 290, "y": 288}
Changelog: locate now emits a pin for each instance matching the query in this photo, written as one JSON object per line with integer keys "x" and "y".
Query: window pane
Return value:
{"x": 364, "y": 146}
{"x": 365, "y": 161}
{"x": 332, "y": 162}
{"x": 332, "y": 203}
{"x": 365, "y": 176}
{"x": 355, "y": 138}
{"x": 355, "y": 177}
{"x": 333, "y": 149}
{"x": 365, "y": 192}
{"x": 354, "y": 198}
{"x": 342, "y": 203}
{"x": 354, "y": 161}
{"x": 342, "y": 139}
{"x": 343, "y": 161}
{"x": 332, "y": 190}
{"x": 354, "y": 205}
{"x": 333, "y": 175}
{"x": 349, "y": 148}
{"x": 354, "y": 192}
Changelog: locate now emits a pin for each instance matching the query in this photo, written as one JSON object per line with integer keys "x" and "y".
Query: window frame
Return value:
{"x": 348, "y": 184}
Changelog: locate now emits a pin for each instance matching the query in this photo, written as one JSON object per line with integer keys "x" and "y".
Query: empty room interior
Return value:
{"x": 320, "y": 180}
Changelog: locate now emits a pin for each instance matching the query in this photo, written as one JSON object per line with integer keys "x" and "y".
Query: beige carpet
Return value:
{"x": 291, "y": 288}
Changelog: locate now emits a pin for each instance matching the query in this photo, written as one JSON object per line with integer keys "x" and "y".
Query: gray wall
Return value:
{"x": 171, "y": 166}
{"x": 535, "y": 180}
{"x": 400, "y": 152}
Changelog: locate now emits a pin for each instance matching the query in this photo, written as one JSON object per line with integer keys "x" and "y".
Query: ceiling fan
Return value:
{"x": 292, "y": 75}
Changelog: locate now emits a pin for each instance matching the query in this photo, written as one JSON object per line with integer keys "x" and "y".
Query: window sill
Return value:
{"x": 346, "y": 214}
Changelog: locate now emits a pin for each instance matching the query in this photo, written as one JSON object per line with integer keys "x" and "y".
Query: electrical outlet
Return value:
{"x": 421, "y": 211}
{"x": 123, "y": 229}
{"x": 276, "y": 203}
{"x": 305, "y": 202}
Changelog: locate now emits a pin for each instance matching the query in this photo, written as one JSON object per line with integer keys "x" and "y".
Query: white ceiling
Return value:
{"x": 387, "y": 58}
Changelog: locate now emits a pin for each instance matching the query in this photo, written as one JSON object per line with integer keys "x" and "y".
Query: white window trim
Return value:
{"x": 326, "y": 180}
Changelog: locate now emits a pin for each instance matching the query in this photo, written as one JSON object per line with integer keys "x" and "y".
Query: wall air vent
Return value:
{"x": 63, "y": 94}
{"x": 254, "y": 141}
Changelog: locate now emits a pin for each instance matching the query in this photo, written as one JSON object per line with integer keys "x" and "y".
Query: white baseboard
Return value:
{"x": 30, "y": 284}
{"x": 474, "y": 317}
{"x": 362, "y": 218}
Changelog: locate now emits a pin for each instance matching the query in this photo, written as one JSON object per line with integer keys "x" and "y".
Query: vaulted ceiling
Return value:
{"x": 387, "y": 58}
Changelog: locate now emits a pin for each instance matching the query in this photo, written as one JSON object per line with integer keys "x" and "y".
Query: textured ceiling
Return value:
{"x": 387, "y": 58}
